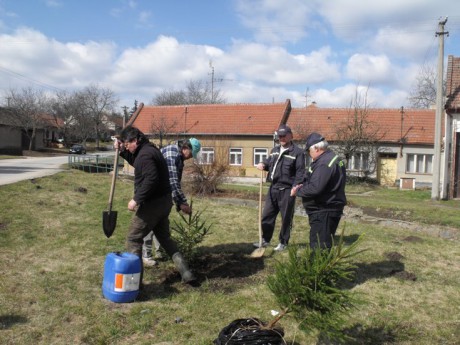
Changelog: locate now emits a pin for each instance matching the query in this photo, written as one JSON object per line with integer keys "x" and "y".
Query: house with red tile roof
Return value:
{"x": 452, "y": 139}
{"x": 245, "y": 131}
{"x": 405, "y": 139}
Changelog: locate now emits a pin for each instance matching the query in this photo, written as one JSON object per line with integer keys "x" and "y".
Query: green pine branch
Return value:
{"x": 308, "y": 285}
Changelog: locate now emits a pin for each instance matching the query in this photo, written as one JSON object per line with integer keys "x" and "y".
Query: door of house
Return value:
{"x": 387, "y": 170}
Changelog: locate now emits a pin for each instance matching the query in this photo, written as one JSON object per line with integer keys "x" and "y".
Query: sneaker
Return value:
{"x": 148, "y": 262}
{"x": 280, "y": 247}
{"x": 264, "y": 244}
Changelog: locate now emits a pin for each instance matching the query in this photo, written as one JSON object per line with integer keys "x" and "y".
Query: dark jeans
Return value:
{"x": 278, "y": 201}
{"x": 152, "y": 215}
{"x": 323, "y": 226}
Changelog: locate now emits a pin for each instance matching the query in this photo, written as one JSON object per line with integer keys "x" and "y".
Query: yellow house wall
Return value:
{"x": 247, "y": 144}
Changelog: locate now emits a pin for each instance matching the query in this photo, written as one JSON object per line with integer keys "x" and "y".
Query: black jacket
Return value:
{"x": 290, "y": 169}
{"x": 324, "y": 185}
{"x": 151, "y": 177}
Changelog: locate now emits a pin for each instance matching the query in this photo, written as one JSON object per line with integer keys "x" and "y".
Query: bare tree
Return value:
{"x": 97, "y": 103}
{"x": 197, "y": 92}
{"x": 301, "y": 131}
{"x": 170, "y": 97}
{"x": 69, "y": 107}
{"x": 359, "y": 137}
{"x": 423, "y": 93}
{"x": 162, "y": 129}
{"x": 200, "y": 93}
{"x": 27, "y": 108}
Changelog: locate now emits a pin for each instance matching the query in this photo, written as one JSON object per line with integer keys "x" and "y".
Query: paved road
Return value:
{"x": 15, "y": 170}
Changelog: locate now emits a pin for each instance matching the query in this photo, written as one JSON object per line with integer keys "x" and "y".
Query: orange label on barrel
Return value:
{"x": 127, "y": 282}
{"x": 118, "y": 281}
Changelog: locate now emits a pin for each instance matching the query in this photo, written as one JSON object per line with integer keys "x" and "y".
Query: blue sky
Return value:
{"x": 261, "y": 50}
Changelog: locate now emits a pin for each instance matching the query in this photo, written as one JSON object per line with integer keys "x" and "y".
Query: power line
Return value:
{"x": 23, "y": 77}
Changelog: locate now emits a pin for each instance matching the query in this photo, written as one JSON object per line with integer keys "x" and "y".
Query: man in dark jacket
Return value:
{"x": 322, "y": 191}
{"x": 286, "y": 168}
{"x": 152, "y": 199}
{"x": 175, "y": 155}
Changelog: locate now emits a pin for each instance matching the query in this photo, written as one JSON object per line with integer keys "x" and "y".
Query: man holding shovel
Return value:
{"x": 152, "y": 199}
{"x": 286, "y": 168}
{"x": 175, "y": 156}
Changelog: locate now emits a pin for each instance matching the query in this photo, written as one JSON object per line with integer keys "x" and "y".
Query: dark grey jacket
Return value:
{"x": 290, "y": 169}
{"x": 151, "y": 177}
{"x": 324, "y": 186}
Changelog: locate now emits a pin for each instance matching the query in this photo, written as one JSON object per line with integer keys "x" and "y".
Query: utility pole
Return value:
{"x": 125, "y": 112}
{"x": 439, "y": 112}
{"x": 306, "y": 97}
{"x": 212, "y": 81}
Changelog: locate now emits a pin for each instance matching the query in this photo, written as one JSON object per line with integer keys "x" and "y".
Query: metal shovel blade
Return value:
{"x": 109, "y": 218}
{"x": 109, "y": 222}
{"x": 258, "y": 253}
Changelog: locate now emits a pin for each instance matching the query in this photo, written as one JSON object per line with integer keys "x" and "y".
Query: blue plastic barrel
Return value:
{"x": 122, "y": 274}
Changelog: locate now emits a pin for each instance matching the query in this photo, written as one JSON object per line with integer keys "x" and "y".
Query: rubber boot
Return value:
{"x": 182, "y": 267}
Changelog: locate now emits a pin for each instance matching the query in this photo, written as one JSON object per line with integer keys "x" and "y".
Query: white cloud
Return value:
{"x": 375, "y": 98}
{"x": 53, "y": 3}
{"x": 163, "y": 64}
{"x": 382, "y": 49}
{"x": 60, "y": 65}
{"x": 144, "y": 17}
{"x": 403, "y": 44}
{"x": 351, "y": 17}
{"x": 276, "y": 66}
{"x": 370, "y": 69}
{"x": 275, "y": 21}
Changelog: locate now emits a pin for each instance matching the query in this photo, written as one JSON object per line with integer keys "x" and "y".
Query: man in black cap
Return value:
{"x": 322, "y": 191}
{"x": 286, "y": 169}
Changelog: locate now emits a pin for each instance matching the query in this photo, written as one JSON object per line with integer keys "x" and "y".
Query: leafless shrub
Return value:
{"x": 207, "y": 176}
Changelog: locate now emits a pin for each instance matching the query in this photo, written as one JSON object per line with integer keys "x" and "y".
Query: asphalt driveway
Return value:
{"x": 15, "y": 170}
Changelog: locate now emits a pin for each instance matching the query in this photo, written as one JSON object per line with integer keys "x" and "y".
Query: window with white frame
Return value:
{"x": 419, "y": 164}
{"x": 236, "y": 156}
{"x": 359, "y": 161}
{"x": 206, "y": 155}
{"x": 259, "y": 155}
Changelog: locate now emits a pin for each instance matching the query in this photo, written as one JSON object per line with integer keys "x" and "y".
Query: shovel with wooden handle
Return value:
{"x": 259, "y": 252}
{"x": 109, "y": 217}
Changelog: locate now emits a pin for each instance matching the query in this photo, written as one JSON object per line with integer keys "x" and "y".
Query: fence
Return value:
{"x": 93, "y": 163}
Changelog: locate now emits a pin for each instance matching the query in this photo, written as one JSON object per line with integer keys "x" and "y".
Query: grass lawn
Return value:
{"x": 52, "y": 253}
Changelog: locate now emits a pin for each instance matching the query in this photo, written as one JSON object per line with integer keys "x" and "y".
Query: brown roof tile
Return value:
{"x": 213, "y": 119}
{"x": 453, "y": 84}
{"x": 416, "y": 125}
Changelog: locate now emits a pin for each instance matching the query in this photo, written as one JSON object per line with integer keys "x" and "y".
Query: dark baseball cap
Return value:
{"x": 283, "y": 130}
{"x": 312, "y": 139}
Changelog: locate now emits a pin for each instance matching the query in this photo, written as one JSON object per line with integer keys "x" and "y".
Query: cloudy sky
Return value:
{"x": 260, "y": 50}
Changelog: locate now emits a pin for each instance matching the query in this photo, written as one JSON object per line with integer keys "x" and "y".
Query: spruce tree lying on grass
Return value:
{"x": 308, "y": 286}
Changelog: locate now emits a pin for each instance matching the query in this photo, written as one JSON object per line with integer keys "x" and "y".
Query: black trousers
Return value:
{"x": 151, "y": 215}
{"x": 278, "y": 201}
{"x": 323, "y": 226}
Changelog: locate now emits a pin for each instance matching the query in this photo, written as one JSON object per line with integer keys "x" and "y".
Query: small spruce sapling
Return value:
{"x": 189, "y": 232}
{"x": 308, "y": 285}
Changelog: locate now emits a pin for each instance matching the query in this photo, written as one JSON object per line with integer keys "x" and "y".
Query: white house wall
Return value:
{"x": 402, "y": 163}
